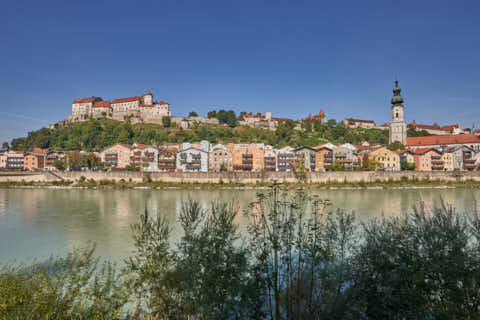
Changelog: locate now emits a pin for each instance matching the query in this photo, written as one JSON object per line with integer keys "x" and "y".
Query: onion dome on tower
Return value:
{"x": 397, "y": 98}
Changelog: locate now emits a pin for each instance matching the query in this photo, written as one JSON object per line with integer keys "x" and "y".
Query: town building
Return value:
{"x": 346, "y": 157}
{"x": 436, "y": 129}
{"x": 308, "y": 157}
{"x": 137, "y": 109}
{"x": 248, "y": 157}
{"x": 3, "y": 160}
{"x": 220, "y": 159}
{"x": 33, "y": 161}
{"x": 15, "y": 160}
{"x": 444, "y": 141}
{"x": 144, "y": 157}
{"x": 270, "y": 159}
{"x": 167, "y": 160}
{"x": 428, "y": 159}
{"x": 117, "y": 156}
{"x": 405, "y": 156}
{"x": 463, "y": 157}
{"x": 53, "y": 157}
{"x": 385, "y": 159}
{"x": 398, "y": 127}
{"x": 192, "y": 160}
{"x": 447, "y": 159}
{"x": 358, "y": 123}
{"x": 320, "y": 116}
{"x": 261, "y": 121}
{"x": 286, "y": 158}
{"x": 324, "y": 157}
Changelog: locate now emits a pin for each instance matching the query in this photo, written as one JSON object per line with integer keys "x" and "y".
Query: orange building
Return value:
{"x": 248, "y": 157}
{"x": 34, "y": 161}
{"x": 324, "y": 158}
{"x": 427, "y": 159}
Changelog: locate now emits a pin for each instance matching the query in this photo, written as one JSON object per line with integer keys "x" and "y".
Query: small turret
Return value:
{"x": 148, "y": 98}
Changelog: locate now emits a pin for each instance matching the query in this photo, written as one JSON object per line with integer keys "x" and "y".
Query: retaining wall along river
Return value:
{"x": 244, "y": 177}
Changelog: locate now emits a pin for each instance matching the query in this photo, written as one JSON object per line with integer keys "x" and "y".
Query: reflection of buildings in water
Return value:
{"x": 30, "y": 201}
{"x": 3, "y": 202}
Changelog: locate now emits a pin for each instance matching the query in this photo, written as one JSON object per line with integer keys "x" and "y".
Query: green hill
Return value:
{"x": 95, "y": 135}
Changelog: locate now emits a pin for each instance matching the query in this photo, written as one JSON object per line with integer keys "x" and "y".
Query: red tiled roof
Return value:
{"x": 442, "y": 140}
{"x": 423, "y": 150}
{"x": 321, "y": 114}
{"x": 251, "y": 115}
{"x": 435, "y": 127}
{"x": 86, "y": 100}
{"x": 384, "y": 125}
{"x": 280, "y": 119}
{"x": 102, "y": 104}
{"x": 149, "y": 93}
{"x": 162, "y": 102}
{"x": 130, "y": 99}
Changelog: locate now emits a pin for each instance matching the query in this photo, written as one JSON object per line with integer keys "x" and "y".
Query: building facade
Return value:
{"x": 385, "y": 159}
{"x": 137, "y": 109}
{"x": 34, "y": 161}
{"x": 117, "y": 156}
{"x": 219, "y": 159}
{"x": 308, "y": 157}
{"x": 192, "y": 160}
{"x": 167, "y": 160}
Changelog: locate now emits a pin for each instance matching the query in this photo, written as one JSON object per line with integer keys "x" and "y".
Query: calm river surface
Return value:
{"x": 42, "y": 222}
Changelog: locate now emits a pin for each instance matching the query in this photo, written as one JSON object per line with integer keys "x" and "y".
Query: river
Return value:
{"x": 42, "y": 222}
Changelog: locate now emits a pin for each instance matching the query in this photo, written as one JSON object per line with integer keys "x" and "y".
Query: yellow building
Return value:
{"x": 385, "y": 159}
{"x": 447, "y": 159}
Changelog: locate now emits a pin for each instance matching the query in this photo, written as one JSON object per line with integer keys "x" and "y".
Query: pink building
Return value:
{"x": 117, "y": 156}
{"x": 427, "y": 159}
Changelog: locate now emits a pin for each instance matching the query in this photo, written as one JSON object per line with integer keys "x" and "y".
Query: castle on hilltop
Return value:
{"x": 137, "y": 109}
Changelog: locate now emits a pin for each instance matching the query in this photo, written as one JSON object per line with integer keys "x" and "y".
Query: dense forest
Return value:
{"x": 94, "y": 135}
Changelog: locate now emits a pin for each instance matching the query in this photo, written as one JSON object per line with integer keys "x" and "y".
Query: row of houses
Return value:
{"x": 445, "y": 153}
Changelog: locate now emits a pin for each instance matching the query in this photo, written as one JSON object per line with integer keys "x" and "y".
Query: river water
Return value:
{"x": 44, "y": 222}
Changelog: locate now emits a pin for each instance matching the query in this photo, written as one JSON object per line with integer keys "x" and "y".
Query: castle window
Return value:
{"x": 396, "y": 115}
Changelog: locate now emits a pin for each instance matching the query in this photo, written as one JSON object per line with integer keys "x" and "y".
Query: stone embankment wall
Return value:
{"x": 244, "y": 177}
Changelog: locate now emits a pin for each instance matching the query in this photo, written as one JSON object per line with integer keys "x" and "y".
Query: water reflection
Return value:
{"x": 40, "y": 222}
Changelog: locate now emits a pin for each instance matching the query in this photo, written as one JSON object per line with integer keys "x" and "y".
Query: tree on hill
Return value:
{"x": 212, "y": 114}
{"x": 166, "y": 122}
{"x": 193, "y": 114}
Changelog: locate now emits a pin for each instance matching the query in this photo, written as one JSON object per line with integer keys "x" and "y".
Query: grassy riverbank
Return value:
{"x": 129, "y": 184}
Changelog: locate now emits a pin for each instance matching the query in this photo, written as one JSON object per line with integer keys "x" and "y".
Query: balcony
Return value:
{"x": 247, "y": 155}
{"x": 148, "y": 159}
{"x": 247, "y": 162}
{"x": 436, "y": 158}
{"x": 240, "y": 167}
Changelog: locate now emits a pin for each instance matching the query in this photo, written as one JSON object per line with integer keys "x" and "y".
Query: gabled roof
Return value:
{"x": 424, "y": 150}
{"x": 305, "y": 147}
{"x": 86, "y": 100}
{"x": 130, "y": 99}
{"x": 102, "y": 104}
{"x": 442, "y": 140}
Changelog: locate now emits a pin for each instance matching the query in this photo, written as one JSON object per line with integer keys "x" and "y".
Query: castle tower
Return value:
{"x": 148, "y": 98}
{"x": 398, "y": 127}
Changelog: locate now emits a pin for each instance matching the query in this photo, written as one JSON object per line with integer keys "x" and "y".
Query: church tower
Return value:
{"x": 398, "y": 127}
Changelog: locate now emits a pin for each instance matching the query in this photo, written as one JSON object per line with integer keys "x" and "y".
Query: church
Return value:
{"x": 398, "y": 127}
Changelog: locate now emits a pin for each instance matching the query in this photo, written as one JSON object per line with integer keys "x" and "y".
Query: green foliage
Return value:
{"x": 396, "y": 146}
{"x": 205, "y": 277}
{"x": 75, "y": 287}
{"x": 192, "y": 114}
{"x": 405, "y": 165}
{"x": 5, "y": 146}
{"x": 166, "y": 122}
{"x": 96, "y": 135}
{"x": 412, "y": 132}
{"x": 59, "y": 165}
{"x": 338, "y": 166}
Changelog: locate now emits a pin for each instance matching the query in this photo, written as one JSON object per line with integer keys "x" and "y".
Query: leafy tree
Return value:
{"x": 5, "y": 146}
{"x": 331, "y": 123}
{"x": 59, "y": 165}
{"x": 193, "y": 114}
{"x": 338, "y": 166}
{"x": 396, "y": 146}
{"x": 212, "y": 114}
{"x": 405, "y": 165}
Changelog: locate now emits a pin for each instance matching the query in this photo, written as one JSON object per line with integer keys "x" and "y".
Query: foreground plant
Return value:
{"x": 75, "y": 287}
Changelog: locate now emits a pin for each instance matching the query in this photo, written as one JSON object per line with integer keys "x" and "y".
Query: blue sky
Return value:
{"x": 288, "y": 57}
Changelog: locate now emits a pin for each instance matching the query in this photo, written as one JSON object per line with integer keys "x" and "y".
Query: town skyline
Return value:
{"x": 289, "y": 59}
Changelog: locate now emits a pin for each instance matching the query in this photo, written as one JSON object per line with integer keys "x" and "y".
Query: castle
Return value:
{"x": 137, "y": 109}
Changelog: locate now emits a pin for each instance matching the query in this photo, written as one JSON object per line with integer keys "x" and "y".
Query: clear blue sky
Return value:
{"x": 288, "y": 57}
